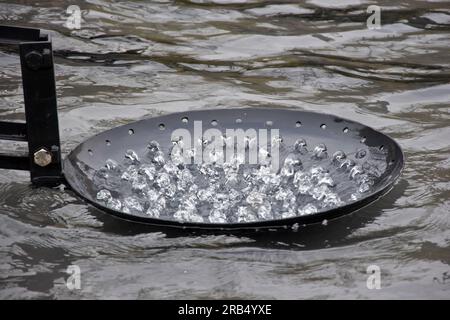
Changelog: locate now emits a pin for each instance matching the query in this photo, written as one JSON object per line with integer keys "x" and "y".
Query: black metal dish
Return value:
{"x": 89, "y": 156}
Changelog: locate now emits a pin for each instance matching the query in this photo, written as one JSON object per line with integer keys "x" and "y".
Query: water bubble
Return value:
{"x": 355, "y": 196}
{"x": 188, "y": 203}
{"x": 111, "y": 164}
{"x": 153, "y": 195}
{"x": 171, "y": 169}
{"x": 153, "y": 146}
{"x": 287, "y": 170}
{"x": 104, "y": 195}
{"x": 250, "y": 142}
{"x": 169, "y": 191}
{"x": 193, "y": 189}
{"x": 338, "y": 157}
{"x": 307, "y": 210}
{"x": 158, "y": 158}
{"x": 208, "y": 170}
{"x": 190, "y": 153}
{"x": 132, "y": 205}
{"x": 283, "y": 193}
{"x": 101, "y": 174}
{"x": 364, "y": 178}
{"x": 231, "y": 179}
{"x": 320, "y": 192}
{"x": 356, "y": 170}
{"x": 217, "y": 216}
{"x": 300, "y": 145}
{"x": 347, "y": 164}
{"x": 325, "y": 179}
{"x": 361, "y": 153}
{"x": 262, "y": 174}
{"x": 148, "y": 171}
{"x": 255, "y": 199}
{"x": 332, "y": 200}
{"x": 317, "y": 171}
{"x": 303, "y": 182}
{"x": 153, "y": 212}
{"x": 160, "y": 202}
{"x": 162, "y": 180}
{"x": 264, "y": 157}
{"x": 176, "y": 155}
{"x": 114, "y": 204}
{"x": 234, "y": 195}
{"x": 139, "y": 184}
{"x": 221, "y": 202}
{"x": 244, "y": 214}
{"x": 364, "y": 187}
{"x": 185, "y": 179}
{"x": 265, "y": 211}
{"x": 206, "y": 194}
{"x": 291, "y": 164}
{"x": 187, "y": 216}
{"x": 132, "y": 156}
{"x": 320, "y": 151}
{"x": 130, "y": 174}
{"x": 290, "y": 213}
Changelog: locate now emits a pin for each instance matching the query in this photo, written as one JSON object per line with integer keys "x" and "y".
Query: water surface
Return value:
{"x": 136, "y": 59}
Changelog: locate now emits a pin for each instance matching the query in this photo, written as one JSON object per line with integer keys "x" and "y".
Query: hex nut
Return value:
{"x": 42, "y": 157}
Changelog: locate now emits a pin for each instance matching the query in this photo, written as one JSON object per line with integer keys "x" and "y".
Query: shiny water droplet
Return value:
{"x": 104, "y": 195}
{"x": 361, "y": 153}
{"x": 111, "y": 164}
{"x": 307, "y": 210}
{"x": 132, "y": 156}
{"x": 154, "y": 146}
{"x": 320, "y": 151}
{"x": 338, "y": 157}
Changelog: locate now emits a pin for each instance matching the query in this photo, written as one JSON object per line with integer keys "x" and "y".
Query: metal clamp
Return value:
{"x": 41, "y": 129}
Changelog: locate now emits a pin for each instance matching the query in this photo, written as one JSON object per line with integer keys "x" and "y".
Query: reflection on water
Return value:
{"x": 136, "y": 59}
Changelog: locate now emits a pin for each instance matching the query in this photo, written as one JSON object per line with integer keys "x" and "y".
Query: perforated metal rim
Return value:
{"x": 346, "y": 134}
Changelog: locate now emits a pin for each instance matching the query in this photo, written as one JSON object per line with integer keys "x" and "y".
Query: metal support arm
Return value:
{"x": 41, "y": 127}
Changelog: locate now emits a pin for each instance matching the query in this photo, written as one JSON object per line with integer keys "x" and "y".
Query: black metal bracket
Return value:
{"x": 41, "y": 127}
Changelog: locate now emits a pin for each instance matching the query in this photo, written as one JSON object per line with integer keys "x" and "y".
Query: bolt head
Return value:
{"x": 34, "y": 60}
{"x": 42, "y": 157}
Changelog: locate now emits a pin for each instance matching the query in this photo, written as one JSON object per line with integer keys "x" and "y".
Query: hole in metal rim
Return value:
{"x": 345, "y": 130}
{"x": 91, "y": 153}
{"x": 131, "y": 132}
{"x": 363, "y": 139}
{"x": 214, "y": 122}
{"x": 323, "y": 126}
{"x": 162, "y": 126}
{"x": 298, "y": 124}
{"x": 185, "y": 119}
{"x": 108, "y": 143}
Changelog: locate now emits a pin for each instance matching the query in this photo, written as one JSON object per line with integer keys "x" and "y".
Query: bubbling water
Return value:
{"x": 220, "y": 192}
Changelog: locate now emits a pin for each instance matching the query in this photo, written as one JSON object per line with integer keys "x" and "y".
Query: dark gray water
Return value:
{"x": 136, "y": 59}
